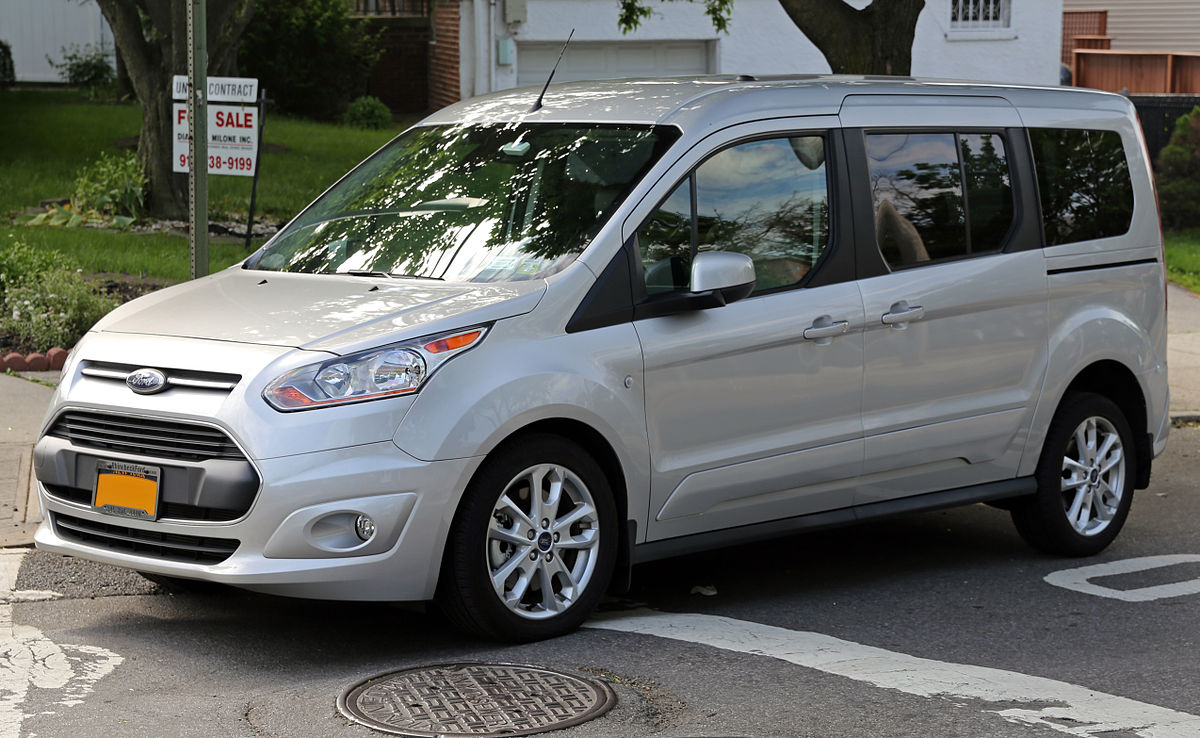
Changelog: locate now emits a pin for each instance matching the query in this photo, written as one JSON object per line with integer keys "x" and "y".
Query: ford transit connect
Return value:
{"x": 521, "y": 348}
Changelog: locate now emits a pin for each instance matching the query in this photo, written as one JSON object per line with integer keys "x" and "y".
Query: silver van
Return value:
{"x": 523, "y": 348}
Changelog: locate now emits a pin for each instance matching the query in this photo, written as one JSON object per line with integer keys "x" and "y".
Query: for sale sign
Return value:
{"x": 232, "y": 139}
{"x": 232, "y": 129}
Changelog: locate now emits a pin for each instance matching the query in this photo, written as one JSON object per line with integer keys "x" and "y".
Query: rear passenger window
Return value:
{"x": 1083, "y": 183}
{"x": 768, "y": 199}
{"x": 939, "y": 195}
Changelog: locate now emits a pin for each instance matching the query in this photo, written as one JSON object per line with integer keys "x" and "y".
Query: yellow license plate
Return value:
{"x": 128, "y": 490}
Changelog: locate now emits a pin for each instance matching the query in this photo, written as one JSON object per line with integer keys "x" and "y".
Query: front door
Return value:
{"x": 753, "y": 409}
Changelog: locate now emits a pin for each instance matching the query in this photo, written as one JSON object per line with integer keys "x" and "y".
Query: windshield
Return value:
{"x": 477, "y": 203}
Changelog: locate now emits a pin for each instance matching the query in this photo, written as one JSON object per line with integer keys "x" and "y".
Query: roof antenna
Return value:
{"x": 538, "y": 105}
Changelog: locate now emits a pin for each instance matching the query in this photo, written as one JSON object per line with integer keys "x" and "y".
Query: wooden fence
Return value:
{"x": 1137, "y": 72}
{"x": 1091, "y": 25}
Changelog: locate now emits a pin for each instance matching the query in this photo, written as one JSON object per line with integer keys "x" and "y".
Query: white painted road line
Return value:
{"x": 28, "y": 658}
{"x": 1079, "y": 579}
{"x": 1067, "y": 708}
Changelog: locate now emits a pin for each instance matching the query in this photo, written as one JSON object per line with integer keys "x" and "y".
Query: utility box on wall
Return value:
{"x": 506, "y": 52}
{"x": 515, "y": 11}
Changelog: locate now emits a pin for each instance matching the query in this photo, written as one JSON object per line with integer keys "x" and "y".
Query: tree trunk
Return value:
{"x": 152, "y": 38}
{"x": 875, "y": 40}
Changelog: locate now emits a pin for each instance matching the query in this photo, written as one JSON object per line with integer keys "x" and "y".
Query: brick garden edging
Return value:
{"x": 52, "y": 360}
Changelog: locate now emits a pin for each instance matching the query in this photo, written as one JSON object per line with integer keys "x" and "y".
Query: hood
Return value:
{"x": 326, "y": 312}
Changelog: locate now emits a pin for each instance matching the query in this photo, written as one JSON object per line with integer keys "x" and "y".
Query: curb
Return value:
{"x": 52, "y": 360}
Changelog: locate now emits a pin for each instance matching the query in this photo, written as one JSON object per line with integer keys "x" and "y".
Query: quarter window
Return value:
{"x": 1083, "y": 184}
{"x": 939, "y": 195}
{"x": 768, "y": 199}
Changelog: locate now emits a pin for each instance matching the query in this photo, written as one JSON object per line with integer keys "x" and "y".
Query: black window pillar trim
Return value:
{"x": 610, "y": 299}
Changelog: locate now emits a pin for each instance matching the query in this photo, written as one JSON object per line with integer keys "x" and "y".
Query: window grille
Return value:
{"x": 977, "y": 15}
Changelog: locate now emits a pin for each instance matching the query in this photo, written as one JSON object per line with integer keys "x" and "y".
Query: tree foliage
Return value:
{"x": 1179, "y": 174}
{"x": 338, "y": 54}
{"x": 874, "y": 40}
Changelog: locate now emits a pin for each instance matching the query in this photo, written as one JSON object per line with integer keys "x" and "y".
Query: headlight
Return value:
{"x": 398, "y": 369}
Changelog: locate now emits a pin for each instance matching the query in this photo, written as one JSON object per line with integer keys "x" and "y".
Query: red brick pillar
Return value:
{"x": 445, "y": 79}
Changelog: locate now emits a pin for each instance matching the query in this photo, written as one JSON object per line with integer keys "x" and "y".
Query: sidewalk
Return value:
{"x": 23, "y": 403}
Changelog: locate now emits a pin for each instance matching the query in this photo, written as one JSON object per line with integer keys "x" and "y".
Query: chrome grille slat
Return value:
{"x": 174, "y": 377}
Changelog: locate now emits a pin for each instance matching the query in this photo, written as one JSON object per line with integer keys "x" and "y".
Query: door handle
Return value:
{"x": 901, "y": 313}
{"x": 825, "y": 329}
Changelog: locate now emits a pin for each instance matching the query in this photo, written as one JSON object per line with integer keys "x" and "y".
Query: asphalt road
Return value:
{"x": 878, "y": 630}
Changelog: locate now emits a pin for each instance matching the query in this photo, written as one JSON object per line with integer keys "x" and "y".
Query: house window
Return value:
{"x": 979, "y": 15}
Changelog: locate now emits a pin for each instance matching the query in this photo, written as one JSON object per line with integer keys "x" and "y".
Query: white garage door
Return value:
{"x": 611, "y": 60}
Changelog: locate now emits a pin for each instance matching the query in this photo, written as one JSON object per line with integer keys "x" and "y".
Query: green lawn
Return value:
{"x": 46, "y": 136}
{"x": 1183, "y": 258}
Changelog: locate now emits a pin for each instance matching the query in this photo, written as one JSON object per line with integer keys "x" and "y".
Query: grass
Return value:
{"x": 47, "y": 135}
{"x": 1183, "y": 258}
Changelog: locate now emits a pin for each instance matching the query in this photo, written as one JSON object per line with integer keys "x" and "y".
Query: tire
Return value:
{"x": 1085, "y": 478}
{"x": 513, "y": 573}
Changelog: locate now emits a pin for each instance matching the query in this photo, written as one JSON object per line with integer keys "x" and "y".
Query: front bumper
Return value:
{"x": 298, "y": 537}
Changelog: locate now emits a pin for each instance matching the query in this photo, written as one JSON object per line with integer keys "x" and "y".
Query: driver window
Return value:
{"x": 768, "y": 199}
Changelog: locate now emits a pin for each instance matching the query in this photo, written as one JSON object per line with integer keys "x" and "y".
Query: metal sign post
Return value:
{"x": 197, "y": 115}
{"x": 262, "y": 110}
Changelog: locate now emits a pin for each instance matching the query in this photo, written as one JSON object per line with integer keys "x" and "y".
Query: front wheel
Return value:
{"x": 1085, "y": 479}
{"x": 532, "y": 547}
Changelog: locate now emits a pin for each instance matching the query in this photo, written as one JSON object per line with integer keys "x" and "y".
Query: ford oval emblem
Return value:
{"x": 146, "y": 381}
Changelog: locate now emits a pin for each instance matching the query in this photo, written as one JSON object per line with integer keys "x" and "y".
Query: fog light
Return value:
{"x": 364, "y": 527}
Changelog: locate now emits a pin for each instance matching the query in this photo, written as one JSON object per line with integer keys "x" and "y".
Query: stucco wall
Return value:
{"x": 764, "y": 40}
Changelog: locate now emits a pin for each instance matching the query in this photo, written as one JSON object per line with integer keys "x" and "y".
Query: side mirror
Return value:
{"x": 718, "y": 278}
{"x": 730, "y": 274}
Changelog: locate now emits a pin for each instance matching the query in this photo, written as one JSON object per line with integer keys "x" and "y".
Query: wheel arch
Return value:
{"x": 597, "y": 445}
{"x": 1114, "y": 380}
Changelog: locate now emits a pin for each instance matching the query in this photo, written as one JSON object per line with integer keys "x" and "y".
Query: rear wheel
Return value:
{"x": 532, "y": 547}
{"x": 1085, "y": 479}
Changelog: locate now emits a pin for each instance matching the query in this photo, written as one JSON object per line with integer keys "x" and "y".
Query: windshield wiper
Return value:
{"x": 389, "y": 275}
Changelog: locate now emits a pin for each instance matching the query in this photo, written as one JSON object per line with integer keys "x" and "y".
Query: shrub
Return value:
{"x": 20, "y": 263}
{"x": 43, "y": 302}
{"x": 85, "y": 66}
{"x": 1179, "y": 174}
{"x": 368, "y": 112}
{"x": 311, "y": 57}
{"x": 7, "y": 73}
{"x": 54, "y": 308}
{"x": 114, "y": 184}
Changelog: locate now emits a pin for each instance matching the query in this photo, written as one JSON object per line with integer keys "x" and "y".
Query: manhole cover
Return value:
{"x": 475, "y": 700}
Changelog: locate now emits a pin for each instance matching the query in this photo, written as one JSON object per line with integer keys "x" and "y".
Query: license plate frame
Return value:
{"x": 127, "y": 490}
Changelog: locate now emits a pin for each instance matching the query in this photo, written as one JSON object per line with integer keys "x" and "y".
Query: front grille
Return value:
{"x": 165, "y": 439}
{"x": 156, "y": 544}
{"x": 172, "y": 510}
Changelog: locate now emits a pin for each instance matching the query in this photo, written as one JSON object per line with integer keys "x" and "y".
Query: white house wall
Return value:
{"x": 37, "y": 28}
{"x": 763, "y": 40}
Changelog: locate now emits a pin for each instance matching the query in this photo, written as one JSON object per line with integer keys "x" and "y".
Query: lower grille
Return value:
{"x": 165, "y": 546}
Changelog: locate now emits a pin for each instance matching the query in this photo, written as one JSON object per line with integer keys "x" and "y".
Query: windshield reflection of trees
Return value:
{"x": 478, "y": 203}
